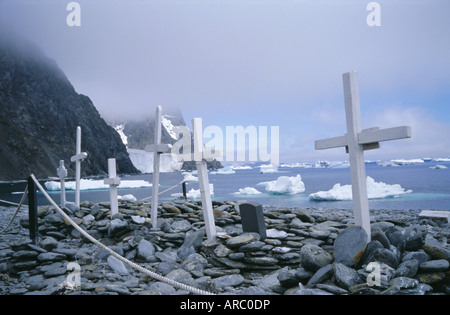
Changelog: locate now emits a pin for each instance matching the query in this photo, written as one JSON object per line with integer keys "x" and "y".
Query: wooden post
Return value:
{"x": 203, "y": 180}
{"x": 32, "y": 211}
{"x": 356, "y": 141}
{"x": 62, "y": 174}
{"x": 77, "y": 158}
{"x": 113, "y": 181}
{"x": 356, "y": 152}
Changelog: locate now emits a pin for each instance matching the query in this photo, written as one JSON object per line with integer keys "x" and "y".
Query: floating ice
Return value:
{"x": 244, "y": 167}
{"x": 247, "y": 191}
{"x": 128, "y": 197}
{"x": 268, "y": 169}
{"x": 223, "y": 171}
{"x": 441, "y": 160}
{"x": 375, "y": 190}
{"x": 88, "y": 184}
{"x": 285, "y": 185}
{"x": 189, "y": 177}
{"x": 438, "y": 167}
{"x": 194, "y": 193}
{"x": 400, "y": 162}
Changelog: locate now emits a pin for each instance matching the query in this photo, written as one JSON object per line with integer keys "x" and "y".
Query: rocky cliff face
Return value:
{"x": 39, "y": 113}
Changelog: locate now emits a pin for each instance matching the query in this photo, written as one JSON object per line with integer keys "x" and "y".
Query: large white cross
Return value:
{"x": 356, "y": 141}
{"x": 158, "y": 148}
{"x": 77, "y": 158}
{"x": 62, "y": 174}
{"x": 113, "y": 181}
{"x": 202, "y": 171}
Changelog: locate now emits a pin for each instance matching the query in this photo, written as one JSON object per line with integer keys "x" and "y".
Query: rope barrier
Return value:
{"x": 19, "y": 205}
{"x": 121, "y": 258}
{"x": 164, "y": 191}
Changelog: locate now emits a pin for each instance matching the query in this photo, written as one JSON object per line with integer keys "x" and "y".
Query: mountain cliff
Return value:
{"x": 138, "y": 134}
{"x": 39, "y": 113}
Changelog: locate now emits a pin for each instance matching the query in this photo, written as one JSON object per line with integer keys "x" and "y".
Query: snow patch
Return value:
{"x": 119, "y": 129}
{"x": 169, "y": 126}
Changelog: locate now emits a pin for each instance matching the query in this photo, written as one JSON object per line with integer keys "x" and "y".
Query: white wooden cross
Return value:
{"x": 62, "y": 174}
{"x": 77, "y": 158}
{"x": 158, "y": 148}
{"x": 356, "y": 141}
{"x": 202, "y": 171}
{"x": 113, "y": 181}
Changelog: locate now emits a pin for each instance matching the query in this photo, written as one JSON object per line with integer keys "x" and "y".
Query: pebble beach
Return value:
{"x": 307, "y": 251}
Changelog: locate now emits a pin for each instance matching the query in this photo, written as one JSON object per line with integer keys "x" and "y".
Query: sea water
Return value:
{"x": 426, "y": 188}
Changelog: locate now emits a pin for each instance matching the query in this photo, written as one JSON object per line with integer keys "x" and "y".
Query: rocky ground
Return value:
{"x": 307, "y": 251}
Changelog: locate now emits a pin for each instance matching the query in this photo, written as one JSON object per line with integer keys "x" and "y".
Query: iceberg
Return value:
{"x": 88, "y": 184}
{"x": 223, "y": 171}
{"x": 247, "y": 191}
{"x": 268, "y": 169}
{"x": 285, "y": 185}
{"x": 375, "y": 190}
{"x": 400, "y": 162}
{"x": 438, "y": 167}
{"x": 441, "y": 160}
{"x": 128, "y": 197}
{"x": 189, "y": 177}
{"x": 245, "y": 167}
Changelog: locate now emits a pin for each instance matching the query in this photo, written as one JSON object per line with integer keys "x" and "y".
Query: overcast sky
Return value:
{"x": 259, "y": 62}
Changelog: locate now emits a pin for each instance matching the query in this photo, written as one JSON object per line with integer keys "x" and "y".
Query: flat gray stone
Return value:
{"x": 117, "y": 265}
{"x": 242, "y": 239}
{"x": 346, "y": 277}
{"x": 435, "y": 265}
{"x": 145, "y": 249}
{"x": 313, "y": 257}
{"x": 350, "y": 245}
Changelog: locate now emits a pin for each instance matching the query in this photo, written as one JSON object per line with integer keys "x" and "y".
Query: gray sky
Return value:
{"x": 260, "y": 62}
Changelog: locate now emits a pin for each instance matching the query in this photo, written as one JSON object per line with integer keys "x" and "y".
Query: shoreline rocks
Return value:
{"x": 306, "y": 251}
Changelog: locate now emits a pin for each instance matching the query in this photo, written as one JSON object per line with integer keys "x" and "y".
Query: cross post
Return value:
{"x": 203, "y": 180}
{"x": 356, "y": 141}
{"x": 113, "y": 181}
{"x": 77, "y": 158}
{"x": 62, "y": 174}
{"x": 158, "y": 148}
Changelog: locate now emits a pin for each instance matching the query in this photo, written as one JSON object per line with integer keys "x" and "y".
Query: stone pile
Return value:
{"x": 306, "y": 251}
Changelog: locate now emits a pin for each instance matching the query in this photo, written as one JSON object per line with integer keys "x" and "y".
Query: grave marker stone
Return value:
{"x": 356, "y": 141}
{"x": 252, "y": 218}
{"x": 77, "y": 158}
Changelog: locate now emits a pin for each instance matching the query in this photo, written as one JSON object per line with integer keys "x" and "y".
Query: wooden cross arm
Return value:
{"x": 365, "y": 137}
{"x": 79, "y": 156}
{"x": 371, "y": 136}
{"x": 335, "y": 142}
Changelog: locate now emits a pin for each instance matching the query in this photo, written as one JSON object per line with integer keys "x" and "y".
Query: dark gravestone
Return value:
{"x": 252, "y": 218}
